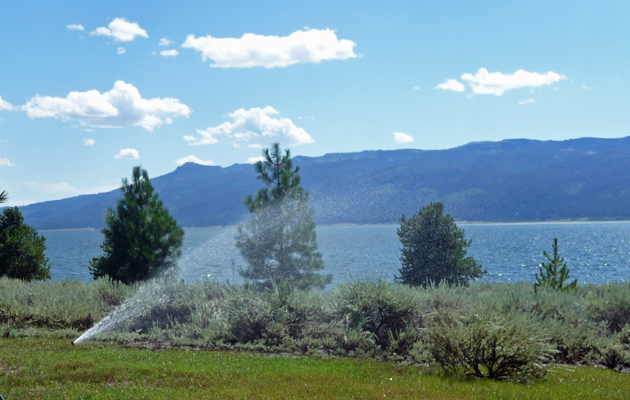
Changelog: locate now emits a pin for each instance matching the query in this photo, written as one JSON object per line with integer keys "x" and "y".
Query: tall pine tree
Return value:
{"x": 278, "y": 240}
{"x": 141, "y": 238}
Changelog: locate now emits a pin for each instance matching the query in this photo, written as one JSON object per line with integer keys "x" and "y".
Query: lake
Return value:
{"x": 596, "y": 252}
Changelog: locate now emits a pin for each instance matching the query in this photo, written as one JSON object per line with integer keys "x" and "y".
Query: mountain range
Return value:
{"x": 508, "y": 181}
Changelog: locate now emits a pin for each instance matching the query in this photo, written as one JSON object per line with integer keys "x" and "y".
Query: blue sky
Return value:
{"x": 88, "y": 90}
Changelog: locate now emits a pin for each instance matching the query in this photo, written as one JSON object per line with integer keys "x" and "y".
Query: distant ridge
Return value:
{"x": 508, "y": 181}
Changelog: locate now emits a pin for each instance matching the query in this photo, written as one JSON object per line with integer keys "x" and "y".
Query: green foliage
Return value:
{"x": 366, "y": 317}
{"x": 57, "y": 305}
{"x": 434, "y": 250}
{"x": 554, "y": 273}
{"x": 376, "y": 306}
{"x": 21, "y": 248}
{"x": 4, "y": 196}
{"x": 278, "y": 240}
{"x": 277, "y": 172}
{"x": 482, "y": 347}
{"x": 141, "y": 240}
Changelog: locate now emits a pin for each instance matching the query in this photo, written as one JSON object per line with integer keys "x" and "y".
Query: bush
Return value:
{"x": 376, "y": 306}
{"x": 481, "y": 347}
{"x": 434, "y": 250}
{"x": 21, "y": 248}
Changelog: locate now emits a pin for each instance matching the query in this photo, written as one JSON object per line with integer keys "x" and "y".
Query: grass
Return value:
{"x": 45, "y": 368}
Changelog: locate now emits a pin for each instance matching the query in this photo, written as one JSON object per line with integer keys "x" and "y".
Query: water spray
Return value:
{"x": 141, "y": 302}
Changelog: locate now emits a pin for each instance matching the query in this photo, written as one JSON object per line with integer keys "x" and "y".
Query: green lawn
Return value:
{"x": 54, "y": 369}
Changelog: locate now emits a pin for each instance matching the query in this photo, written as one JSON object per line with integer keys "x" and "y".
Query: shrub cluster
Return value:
{"x": 493, "y": 330}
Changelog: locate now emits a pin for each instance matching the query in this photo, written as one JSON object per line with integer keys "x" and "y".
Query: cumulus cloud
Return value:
{"x": 121, "y": 50}
{"x": 193, "y": 159}
{"x": 88, "y": 142}
{"x": 451, "y": 84}
{"x": 5, "y": 162}
{"x": 165, "y": 42}
{"x": 128, "y": 154}
{"x": 169, "y": 53}
{"x": 122, "y": 106}
{"x": 250, "y": 50}
{"x": 254, "y": 160}
{"x": 400, "y": 137}
{"x": 528, "y": 101}
{"x": 121, "y": 30}
{"x": 5, "y": 105}
{"x": 75, "y": 27}
{"x": 484, "y": 82}
{"x": 257, "y": 128}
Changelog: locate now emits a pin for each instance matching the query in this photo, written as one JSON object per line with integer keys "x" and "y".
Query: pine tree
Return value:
{"x": 554, "y": 273}
{"x": 4, "y": 196}
{"x": 434, "y": 250}
{"x": 141, "y": 240}
{"x": 21, "y": 248}
{"x": 278, "y": 240}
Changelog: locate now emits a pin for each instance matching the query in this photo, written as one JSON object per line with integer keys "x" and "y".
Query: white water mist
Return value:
{"x": 149, "y": 295}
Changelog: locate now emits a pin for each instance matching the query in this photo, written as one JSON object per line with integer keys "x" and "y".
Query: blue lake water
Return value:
{"x": 596, "y": 252}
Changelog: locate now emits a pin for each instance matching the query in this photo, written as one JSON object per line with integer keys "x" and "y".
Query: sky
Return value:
{"x": 90, "y": 89}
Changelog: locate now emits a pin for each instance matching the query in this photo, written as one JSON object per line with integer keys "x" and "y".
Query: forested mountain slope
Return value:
{"x": 511, "y": 180}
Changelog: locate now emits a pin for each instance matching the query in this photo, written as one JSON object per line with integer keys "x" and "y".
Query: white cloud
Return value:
{"x": 451, "y": 84}
{"x": 122, "y": 106}
{"x": 250, "y": 50}
{"x": 400, "y": 137}
{"x": 4, "y": 162}
{"x": 193, "y": 159}
{"x": 128, "y": 154}
{"x": 416, "y": 88}
{"x": 484, "y": 82}
{"x": 254, "y": 160}
{"x": 121, "y": 30}
{"x": 66, "y": 188}
{"x": 255, "y": 127}
{"x": 88, "y": 142}
{"x": 587, "y": 87}
{"x": 121, "y": 50}
{"x": 169, "y": 53}
{"x": 5, "y": 105}
{"x": 165, "y": 42}
{"x": 75, "y": 27}
{"x": 61, "y": 187}
{"x": 528, "y": 101}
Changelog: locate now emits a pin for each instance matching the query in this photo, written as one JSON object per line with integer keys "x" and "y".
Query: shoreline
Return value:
{"x": 559, "y": 221}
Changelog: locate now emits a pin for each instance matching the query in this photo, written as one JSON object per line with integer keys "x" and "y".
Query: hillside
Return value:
{"x": 511, "y": 180}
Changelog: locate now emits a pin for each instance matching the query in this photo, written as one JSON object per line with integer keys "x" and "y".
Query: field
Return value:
{"x": 366, "y": 338}
{"x": 40, "y": 368}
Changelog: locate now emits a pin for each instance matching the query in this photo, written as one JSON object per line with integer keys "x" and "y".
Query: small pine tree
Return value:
{"x": 21, "y": 248}
{"x": 141, "y": 238}
{"x": 554, "y": 273}
{"x": 278, "y": 240}
{"x": 434, "y": 250}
